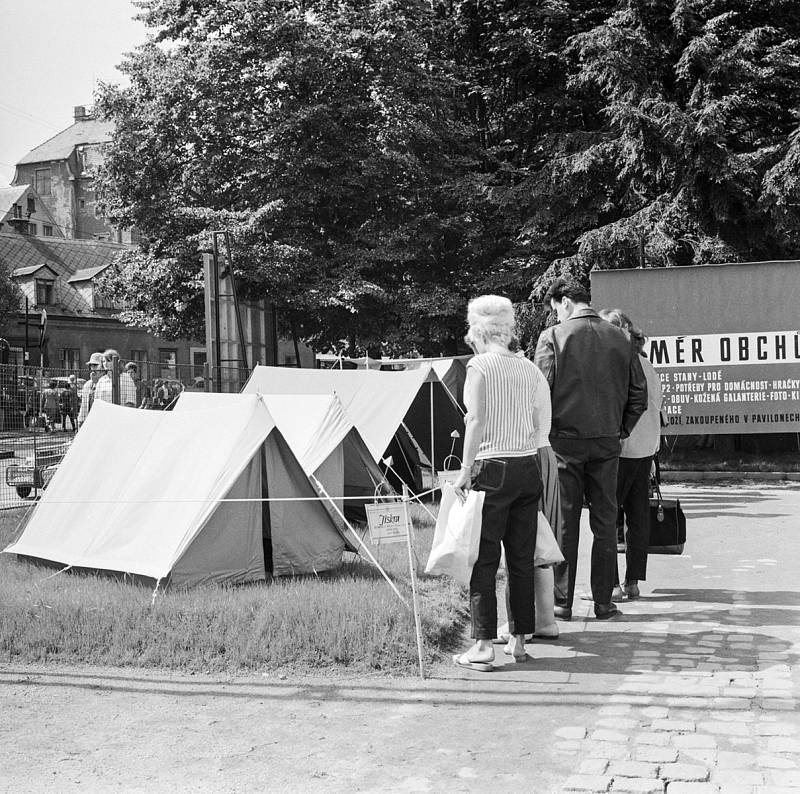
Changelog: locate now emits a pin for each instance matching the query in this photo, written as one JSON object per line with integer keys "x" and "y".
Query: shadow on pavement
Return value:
{"x": 786, "y": 598}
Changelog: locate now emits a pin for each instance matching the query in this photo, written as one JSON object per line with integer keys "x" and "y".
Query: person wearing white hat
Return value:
{"x": 95, "y": 364}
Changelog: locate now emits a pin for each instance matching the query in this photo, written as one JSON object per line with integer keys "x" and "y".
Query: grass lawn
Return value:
{"x": 347, "y": 620}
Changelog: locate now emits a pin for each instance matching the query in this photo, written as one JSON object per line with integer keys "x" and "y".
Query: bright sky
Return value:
{"x": 52, "y": 54}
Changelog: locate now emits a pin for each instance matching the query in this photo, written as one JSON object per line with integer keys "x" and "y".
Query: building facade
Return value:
{"x": 60, "y": 171}
{"x": 23, "y": 211}
{"x": 58, "y": 280}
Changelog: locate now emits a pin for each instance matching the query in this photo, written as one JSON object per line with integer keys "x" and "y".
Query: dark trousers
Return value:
{"x": 633, "y": 497}
{"x": 513, "y": 487}
{"x": 587, "y": 468}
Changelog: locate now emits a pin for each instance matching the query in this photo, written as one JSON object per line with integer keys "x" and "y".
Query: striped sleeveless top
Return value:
{"x": 516, "y": 394}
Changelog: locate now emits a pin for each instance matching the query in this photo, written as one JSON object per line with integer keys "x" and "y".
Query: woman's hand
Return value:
{"x": 462, "y": 484}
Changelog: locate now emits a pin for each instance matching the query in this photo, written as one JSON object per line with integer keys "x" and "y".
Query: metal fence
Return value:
{"x": 41, "y": 409}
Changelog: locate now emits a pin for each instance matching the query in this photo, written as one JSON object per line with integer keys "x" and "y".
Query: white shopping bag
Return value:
{"x": 547, "y": 549}
{"x": 457, "y": 536}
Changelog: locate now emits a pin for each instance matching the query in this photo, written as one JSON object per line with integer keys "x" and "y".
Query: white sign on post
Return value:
{"x": 388, "y": 522}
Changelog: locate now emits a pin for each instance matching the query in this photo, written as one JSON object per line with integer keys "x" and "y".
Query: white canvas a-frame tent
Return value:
{"x": 386, "y": 407}
{"x": 452, "y": 370}
{"x": 324, "y": 440}
{"x": 177, "y": 497}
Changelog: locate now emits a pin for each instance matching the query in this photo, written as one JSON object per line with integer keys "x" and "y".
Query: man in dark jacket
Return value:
{"x": 598, "y": 392}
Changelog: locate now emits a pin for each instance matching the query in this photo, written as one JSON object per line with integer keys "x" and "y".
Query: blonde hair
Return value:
{"x": 491, "y": 319}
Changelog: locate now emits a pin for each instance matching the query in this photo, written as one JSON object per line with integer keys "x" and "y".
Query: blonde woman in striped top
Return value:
{"x": 507, "y": 399}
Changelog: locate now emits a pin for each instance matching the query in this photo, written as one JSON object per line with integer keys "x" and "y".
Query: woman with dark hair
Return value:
{"x": 505, "y": 396}
{"x": 635, "y": 462}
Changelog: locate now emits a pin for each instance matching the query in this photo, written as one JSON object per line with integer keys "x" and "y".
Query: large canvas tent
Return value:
{"x": 385, "y": 406}
{"x": 451, "y": 370}
{"x": 177, "y": 497}
{"x": 323, "y": 439}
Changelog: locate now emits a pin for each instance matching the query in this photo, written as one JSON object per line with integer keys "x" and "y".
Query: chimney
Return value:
{"x": 80, "y": 113}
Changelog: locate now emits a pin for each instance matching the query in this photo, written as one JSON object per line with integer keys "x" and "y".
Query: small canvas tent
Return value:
{"x": 383, "y": 405}
{"x": 322, "y": 437}
{"x": 167, "y": 496}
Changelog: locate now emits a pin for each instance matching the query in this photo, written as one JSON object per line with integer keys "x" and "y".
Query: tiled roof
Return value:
{"x": 19, "y": 272}
{"x": 60, "y": 146}
{"x": 87, "y": 273}
{"x": 10, "y": 196}
{"x": 21, "y": 252}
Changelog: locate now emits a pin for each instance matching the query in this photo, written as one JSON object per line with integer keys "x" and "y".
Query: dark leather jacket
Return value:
{"x": 598, "y": 388}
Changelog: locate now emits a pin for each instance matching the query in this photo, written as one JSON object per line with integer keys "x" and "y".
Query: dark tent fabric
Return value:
{"x": 447, "y": 419}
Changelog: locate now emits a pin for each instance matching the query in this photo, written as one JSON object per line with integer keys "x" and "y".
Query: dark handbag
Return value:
{"x": 667, "y": 525}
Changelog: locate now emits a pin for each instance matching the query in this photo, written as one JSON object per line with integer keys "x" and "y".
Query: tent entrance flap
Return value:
{"x": 304, "y": 538}
{"x": 228, "y": 549}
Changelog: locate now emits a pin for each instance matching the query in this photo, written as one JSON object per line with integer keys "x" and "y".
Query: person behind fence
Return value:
{"x": 50, "y": 408}
{"x": 635, "y": 462}
{"x": 69, "y": 403}
{"x": 95, "y": 364}
{"x": 505, "y": 396}
{"x": 144, "y": 397}
{"x": 104, "y": 388}
{"x": 598, "y": 392}
{"x": 161, "y": 396}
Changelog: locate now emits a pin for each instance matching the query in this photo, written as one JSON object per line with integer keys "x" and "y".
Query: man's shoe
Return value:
{"x": 562, "y": 613}
{"x": 606, "y": 611}
{"x": 631, "y": 589}
{"x": 617, "y": 595}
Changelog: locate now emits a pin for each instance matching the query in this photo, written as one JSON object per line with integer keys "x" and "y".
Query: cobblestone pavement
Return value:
{"x": 707, "y": 696}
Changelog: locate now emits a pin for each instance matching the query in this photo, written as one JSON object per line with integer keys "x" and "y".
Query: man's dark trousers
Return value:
{"x": 587, "y": 466}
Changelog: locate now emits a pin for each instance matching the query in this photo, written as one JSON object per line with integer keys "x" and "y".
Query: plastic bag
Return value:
{"x": 457, "y": 536}
{"x": 547, "y": 549}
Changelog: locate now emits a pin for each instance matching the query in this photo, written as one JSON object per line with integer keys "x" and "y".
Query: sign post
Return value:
{"x": 389, "y": 522}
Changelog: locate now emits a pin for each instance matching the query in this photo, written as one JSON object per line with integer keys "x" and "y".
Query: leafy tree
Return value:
{"x": 324, "y": 136}
{"x": 689, "y": 146}
{"x": 10, "y": 295}
{"x": 380, "y": 162}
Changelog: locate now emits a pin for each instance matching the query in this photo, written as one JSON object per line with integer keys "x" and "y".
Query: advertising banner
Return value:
{"x": 724, "y": 338}
{"x": 729, "y": 383}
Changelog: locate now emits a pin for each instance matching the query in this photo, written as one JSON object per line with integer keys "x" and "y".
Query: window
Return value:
{"x": 140, "y": 357}
{"x": 81, "y": 204}
{"x": 42, "y": 181}
{"x": 44, "y": 292}
{"x": 289, "y": 361}
{"x": 100, "y": 237}
{"x": 168, "y": 360}
{"x": 199, "y": 358}
{"x": 31, "y": 205}
{"x": 32, "y": 228}
{"x": 70, "y": 358}
{"x": 17, "y": 211}
{"x": 47, "y": 230}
